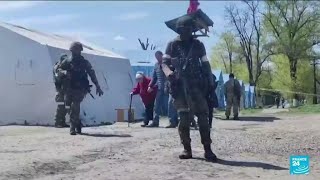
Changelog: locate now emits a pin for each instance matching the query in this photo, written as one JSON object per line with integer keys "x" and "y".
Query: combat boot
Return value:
{"x": 64, "y": 124}
{"x": 187, "y": 153}
{"x": 58, "y": 125}
{"x": 235, "y": 118}
{"x": 72, "y": 130}
{"x": 79, "y": 128}
{"x": 208, "y": 154}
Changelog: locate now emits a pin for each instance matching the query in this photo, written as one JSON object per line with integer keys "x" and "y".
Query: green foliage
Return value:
{"x": 224, "y": 52}
{"x": 281, "y": 79}
{"x": 281, "y": 73}
{"x": 293, "y": 27}
{"x": 265, "y": 80}
{"x": 306, "y": 109}
{"x": 290, "y": 30}
{"x": 241, "y": 72}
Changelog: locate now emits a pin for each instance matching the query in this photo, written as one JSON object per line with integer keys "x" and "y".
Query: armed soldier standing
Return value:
{"x": 188, "y": 70}
{"x": 61, "y": 87}
{"x": 77, "y": 70}
{"x": 232, "y": 92}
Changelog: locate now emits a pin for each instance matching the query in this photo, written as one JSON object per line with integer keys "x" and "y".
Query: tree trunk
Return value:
{"x": 230, "y": 66}
{"x": 293, "y": 73}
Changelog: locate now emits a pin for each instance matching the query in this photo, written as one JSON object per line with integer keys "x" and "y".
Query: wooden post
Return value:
{"x": 120, "y": 115}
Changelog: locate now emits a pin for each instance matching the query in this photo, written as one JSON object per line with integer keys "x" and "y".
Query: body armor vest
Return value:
{"x": 193, "y": 68}
{"x": 78, "y": 74}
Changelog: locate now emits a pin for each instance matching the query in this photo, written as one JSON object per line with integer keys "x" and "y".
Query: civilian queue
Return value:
{"x": 154, "y": 93}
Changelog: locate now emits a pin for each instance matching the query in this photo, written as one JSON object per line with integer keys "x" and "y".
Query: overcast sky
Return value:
{"x": 113, "y": 25}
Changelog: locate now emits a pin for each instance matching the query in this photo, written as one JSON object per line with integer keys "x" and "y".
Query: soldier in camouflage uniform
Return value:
{"x": 232, "y": 92}
{"x": 77, "y": 69}
{"x": 59, "y": 81}
{"x": 190, "y": 89}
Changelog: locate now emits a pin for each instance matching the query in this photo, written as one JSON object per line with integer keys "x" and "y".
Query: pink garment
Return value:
{"x": 193, "y": 7}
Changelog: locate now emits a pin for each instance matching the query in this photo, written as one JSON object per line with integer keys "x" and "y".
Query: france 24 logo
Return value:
{"x": 299, "y": 165}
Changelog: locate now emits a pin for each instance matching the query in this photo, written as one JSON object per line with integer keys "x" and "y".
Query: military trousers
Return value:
{"x": 74, "y": 98}
{"x": 232, "y": 101}
{"x": 210, "y": 117}
{"x": 193, "y": 103}
{"x": 61, "y": 111}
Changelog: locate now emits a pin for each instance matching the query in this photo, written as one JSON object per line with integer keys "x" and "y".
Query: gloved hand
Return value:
{"x": 149, "y": 89}
{"x": 99, "y": 91}
{"x": 172, "y": 77}
{"x": 62, "y": 73}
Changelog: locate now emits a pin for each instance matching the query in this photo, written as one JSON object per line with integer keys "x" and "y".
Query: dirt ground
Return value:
{"x": 252, "y": 148}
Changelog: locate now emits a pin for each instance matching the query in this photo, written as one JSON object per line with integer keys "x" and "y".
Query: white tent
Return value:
{"x": 27, "y": 90}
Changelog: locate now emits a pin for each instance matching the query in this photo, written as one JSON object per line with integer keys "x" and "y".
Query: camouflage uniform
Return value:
{"x": 77, "y": 69}
{"x": 190, "y": 100}
{"x": 232, "y": 91}
{"x": 61, "y": 112}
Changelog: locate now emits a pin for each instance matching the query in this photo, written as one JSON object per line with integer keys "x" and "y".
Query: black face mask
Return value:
{"x": 76, "y": 55}
{"x": 185, "y": 33}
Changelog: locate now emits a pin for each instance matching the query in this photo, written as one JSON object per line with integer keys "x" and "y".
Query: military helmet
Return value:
{"x": 184, "y": 21}
{"x": 76, "y": 45}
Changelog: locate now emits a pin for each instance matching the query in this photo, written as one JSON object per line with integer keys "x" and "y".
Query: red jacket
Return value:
{"x": 142, "y": 88}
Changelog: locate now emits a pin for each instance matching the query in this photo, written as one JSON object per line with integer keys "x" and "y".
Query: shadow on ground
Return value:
{"x": 105, "y": 135}
{"x": 252, "y": 118}
{"x": 258, "y": 118}
{"x": 247, "y": 164}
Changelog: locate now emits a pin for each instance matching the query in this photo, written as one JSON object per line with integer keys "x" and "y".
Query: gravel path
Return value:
{"x": 253, "y": 148}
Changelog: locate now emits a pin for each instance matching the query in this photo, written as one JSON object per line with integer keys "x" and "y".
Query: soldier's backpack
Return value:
{"x": 58, "y": 82}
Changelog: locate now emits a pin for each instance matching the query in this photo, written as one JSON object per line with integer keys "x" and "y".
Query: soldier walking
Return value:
{"x": 77, "y": 69}
{"x": 232, "y": 92}
{"x": 188, "y": 70}
{"x": 61, "y": 87}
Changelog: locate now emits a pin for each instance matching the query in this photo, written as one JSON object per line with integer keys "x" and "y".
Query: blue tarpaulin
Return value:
{"x": 219, "y": 90}
{"x": 247, "y": 102}
{"x": 252, "y": 97}
{"x": 147, "y": 70}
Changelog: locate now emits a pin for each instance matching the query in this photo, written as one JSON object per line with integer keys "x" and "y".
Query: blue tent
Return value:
{"x": 225, "y": 78}
{"x": 242, "y": 100}
{"x": 219, "y": 90}
{"x": 252, "y": 97}
{"x": 247, "y": 102}
{"x": 146, "y": 69}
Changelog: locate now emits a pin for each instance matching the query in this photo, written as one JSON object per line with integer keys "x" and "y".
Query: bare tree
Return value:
{"x": 248, "y": 27}
{"x": 224, "y": 63}
{"x": 145, "y": 46}
{"x": 229, "y": 45}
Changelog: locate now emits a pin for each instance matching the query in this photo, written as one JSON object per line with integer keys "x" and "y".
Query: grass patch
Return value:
{"x": 306, "y": 109}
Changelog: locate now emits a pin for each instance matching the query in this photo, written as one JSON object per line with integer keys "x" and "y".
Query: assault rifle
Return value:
{"x": 89, "y": 91}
